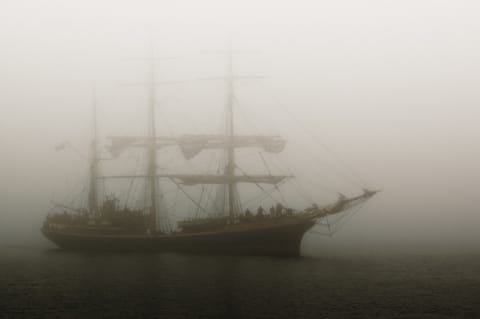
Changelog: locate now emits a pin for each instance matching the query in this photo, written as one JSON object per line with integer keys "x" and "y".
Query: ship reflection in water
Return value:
{"x": 61, "y": 284}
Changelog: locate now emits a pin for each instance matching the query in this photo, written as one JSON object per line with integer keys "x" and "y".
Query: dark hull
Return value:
{"x": 269, "y": 240}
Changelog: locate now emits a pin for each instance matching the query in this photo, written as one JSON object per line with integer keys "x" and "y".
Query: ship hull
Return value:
{"x": 276, "y": 240}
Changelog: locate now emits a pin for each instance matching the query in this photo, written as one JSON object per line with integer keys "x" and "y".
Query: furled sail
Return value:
{"x": 192, "y": 145}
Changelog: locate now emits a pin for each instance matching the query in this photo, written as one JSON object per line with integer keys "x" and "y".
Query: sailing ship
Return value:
{"x": 224, "y": 229}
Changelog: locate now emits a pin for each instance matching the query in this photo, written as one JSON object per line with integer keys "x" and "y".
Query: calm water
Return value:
{"x": 39, "y": 283}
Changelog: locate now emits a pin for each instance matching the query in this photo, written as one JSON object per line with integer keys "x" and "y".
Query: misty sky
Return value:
{"x": 390, "y": 86}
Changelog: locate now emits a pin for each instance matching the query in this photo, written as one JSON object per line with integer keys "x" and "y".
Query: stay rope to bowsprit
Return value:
{"x": 354, "y": 177}
{"x": 336, "y": 226}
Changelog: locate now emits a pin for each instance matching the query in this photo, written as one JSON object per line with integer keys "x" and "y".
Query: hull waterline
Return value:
{"x": 282, "y": 240}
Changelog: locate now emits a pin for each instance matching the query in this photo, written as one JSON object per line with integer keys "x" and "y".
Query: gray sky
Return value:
{"x": 390, "y": 86}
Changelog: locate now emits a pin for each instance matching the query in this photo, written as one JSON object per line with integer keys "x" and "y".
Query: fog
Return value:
{"x": 389, "y": 87}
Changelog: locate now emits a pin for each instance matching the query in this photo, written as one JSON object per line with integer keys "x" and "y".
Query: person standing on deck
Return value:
{"x": 260, "y": 211}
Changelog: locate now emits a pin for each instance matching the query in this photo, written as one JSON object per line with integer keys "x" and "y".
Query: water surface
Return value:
{"x": 40, "y": 282}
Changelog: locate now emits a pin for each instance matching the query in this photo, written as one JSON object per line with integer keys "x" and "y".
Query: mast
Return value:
{"x": 94, "y": 160}
{"x": 230, "y": 129}
{"x": 151, "y": 149}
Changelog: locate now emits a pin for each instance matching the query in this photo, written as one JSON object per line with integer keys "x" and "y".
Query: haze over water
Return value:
{"x": 389, "y": 88}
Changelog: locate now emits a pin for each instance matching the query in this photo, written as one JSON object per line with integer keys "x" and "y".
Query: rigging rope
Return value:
{"x": 313, "y": 167}
{"x": 200, "y": 200}
{"x": 345, "y": 219}
{"x": 245, "y": 118}
{"x": 262, "y": 196}
{"x": 259, "y": 186}
{"x": 315, "y": 138}
{"x": 284, "y": 202}
{"x": 187, "y": 195}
